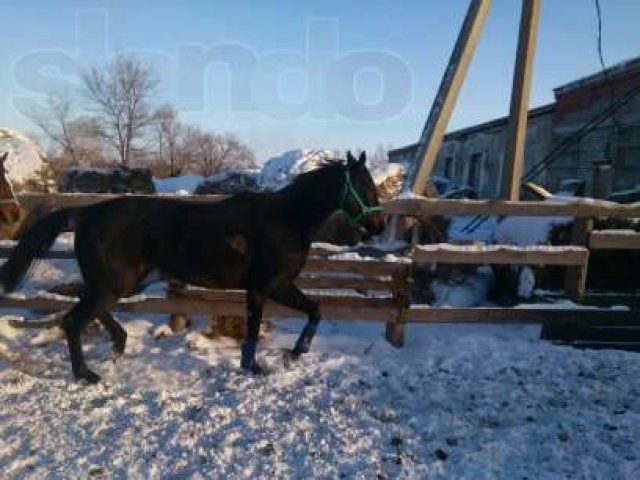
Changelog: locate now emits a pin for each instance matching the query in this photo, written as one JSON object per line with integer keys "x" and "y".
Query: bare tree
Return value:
{"x": 54, "y": 119}
{"x": 233, "y": 153}
{"x": 220, "y": 152}
{"x": 168, "y": 130}
{"x": 207, "y": 149}
{"x": 121, "y": 93}
{"x": 75, "y": 139}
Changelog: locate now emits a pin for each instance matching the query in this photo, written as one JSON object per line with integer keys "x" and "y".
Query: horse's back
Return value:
{"x": 209, "y": 243}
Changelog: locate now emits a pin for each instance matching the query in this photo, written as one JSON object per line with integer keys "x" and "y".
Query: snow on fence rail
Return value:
{"x": 584, "y": 208}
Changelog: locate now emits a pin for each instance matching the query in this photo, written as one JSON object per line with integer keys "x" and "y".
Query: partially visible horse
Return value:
{"x": 10, "y": 211}
{"x": 258, "y": 242}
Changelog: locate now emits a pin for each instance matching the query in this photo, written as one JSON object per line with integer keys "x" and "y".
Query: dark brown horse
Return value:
{"x": 10, "y": 211}
{"x": 253, "y": 241}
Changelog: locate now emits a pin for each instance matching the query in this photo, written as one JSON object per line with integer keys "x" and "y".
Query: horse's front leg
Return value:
{"x": 291, "y": 296}
{"x": 255, "y": 305}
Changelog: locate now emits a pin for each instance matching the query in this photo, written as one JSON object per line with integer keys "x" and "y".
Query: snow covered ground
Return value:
{"x": 455, "y": 402}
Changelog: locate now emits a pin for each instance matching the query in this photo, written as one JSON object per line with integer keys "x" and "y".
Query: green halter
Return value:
{"x": 365, "y": 209}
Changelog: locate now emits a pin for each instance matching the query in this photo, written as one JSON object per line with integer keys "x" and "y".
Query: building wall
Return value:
{"x": 476, "y": 159}
{"x": 474, "y": 156}
{"x": 614, "y": 143}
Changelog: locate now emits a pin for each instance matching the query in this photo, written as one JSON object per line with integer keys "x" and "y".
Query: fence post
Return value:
{"x": 178, "y": 322}
{"x": 395, "y": 329}
{"x": 576, "y": 277}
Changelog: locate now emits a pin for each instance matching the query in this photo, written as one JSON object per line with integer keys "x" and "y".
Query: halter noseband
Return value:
{"x": 365, "y": 210}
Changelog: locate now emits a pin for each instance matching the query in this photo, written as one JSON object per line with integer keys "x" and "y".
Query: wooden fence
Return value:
{"x": 392, "y": 278}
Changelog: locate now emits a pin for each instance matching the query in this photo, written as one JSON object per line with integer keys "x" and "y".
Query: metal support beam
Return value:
{"x": 436, "y": 124}
{"x": 517, "y": 128}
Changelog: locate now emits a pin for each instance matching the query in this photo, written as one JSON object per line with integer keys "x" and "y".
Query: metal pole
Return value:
{"x": 445, "y": 100}
{"x": 517, "y": 127}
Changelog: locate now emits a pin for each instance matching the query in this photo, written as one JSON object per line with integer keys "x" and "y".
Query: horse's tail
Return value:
{"x": 33, "y": 242}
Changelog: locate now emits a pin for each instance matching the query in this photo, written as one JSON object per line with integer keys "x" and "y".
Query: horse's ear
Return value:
{"x": 3, "y": 158}
{"x": 350, "y": 159}
{"x": 362, "y": 159}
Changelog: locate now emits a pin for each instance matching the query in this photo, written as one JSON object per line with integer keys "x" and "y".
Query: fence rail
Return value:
{"x": 394, "y": 277}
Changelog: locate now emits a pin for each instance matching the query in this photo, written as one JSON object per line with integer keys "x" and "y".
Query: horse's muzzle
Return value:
{"x": 374, "y": 224}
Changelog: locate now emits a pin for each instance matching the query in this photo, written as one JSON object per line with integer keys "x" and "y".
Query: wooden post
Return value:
{"x": 178, "y": 322}
{"x": 395, "y": 329}
{"x": 517, "y": 127}
{"x": 576, "y": 277}
{"x": 442, "y": 107}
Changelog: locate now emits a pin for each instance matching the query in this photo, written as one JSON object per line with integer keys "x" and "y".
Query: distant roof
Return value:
{"x": 623, "y": 68}
{"x": 497, "y": 122}
{"x": 617, "y": 70}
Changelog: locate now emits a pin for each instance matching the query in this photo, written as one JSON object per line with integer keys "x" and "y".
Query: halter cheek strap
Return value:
{"x": 365, "y": 210}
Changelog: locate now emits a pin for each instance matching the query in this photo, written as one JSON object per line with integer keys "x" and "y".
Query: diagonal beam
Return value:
{"x": 517, "y": 127}
{"x": 442, "y": 107}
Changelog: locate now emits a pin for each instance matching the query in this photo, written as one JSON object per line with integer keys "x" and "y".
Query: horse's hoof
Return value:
{"x": 90, "y": 377}
{"x": 256, "y": 370}
{"x": 289, "y": 357}
{"x": 118, "y": 348}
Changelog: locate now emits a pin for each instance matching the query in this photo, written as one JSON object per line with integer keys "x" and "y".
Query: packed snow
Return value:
{"x": 278, "y": 171}
{"x": 456, "y": 402}
{"x": 182, "y": 185}
{"x": 25, "y": 159}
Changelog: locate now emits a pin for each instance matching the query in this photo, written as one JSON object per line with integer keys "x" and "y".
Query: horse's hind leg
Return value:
{"x": 90, "y": 306}
{"x": 255, "y": 304}
{"x": 291, "y": 296}
{"x": 116, "y": 332}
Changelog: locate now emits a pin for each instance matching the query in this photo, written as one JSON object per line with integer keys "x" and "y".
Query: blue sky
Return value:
{"x": 290, "y": 74}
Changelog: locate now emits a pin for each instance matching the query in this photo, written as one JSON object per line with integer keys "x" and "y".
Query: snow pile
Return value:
{"x": 184, "y": 184}
{"x": 25, "y": 159}
{"x": 278, "y": 172}
{"x": 465, "y": 291}
{"x": 229, "y": 182}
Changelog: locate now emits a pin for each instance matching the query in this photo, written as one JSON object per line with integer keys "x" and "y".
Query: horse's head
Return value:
{"x": 360, "y": 197}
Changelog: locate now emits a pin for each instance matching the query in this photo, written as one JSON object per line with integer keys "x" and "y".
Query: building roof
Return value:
{"x": 619, "y": 69}
{"x": 497, "y": 122}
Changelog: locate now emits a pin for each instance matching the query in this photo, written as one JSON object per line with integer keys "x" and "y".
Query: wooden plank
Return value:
{"x": 626, "y": 346}
{"x": 575, "y": 281}
{"x": 581, "y": 332}
{"x": 517, "y": 127}
{"x": 445, "y": 100}
{"x": 417, "y": 207}
{"x": 305, "y": 281}
{"x": 238, "y": 296}
{"x": 354, "y": 267}
{"x": 366, "y": 268}
{"x": 614, "y": 240}
{"x": 426, "y": 207}
{"x": 195, "y": 306}
{"x": 500, "y": 255}
{"x": 60, "y": 200}
{"x": 5, "y": 250}
{"x": 532, "y": 316}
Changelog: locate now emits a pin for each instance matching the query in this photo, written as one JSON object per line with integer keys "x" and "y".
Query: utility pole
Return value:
{"x": 517, "y": 127}
{"x": 442, "y": 107}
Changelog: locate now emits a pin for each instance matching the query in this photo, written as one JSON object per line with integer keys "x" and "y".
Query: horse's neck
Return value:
{"x": 6, "y": 190}
{"x": 312, "y": 203}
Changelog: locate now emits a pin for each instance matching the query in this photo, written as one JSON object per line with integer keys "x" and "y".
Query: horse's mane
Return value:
{"x": 326, "y": 165}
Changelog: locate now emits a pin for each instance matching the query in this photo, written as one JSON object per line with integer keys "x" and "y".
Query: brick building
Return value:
{"x": 606, "y": 159}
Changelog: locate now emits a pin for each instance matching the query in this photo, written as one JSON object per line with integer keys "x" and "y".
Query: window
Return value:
{"x": 448, "y": 167}
{"x": 474, "y": 171}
